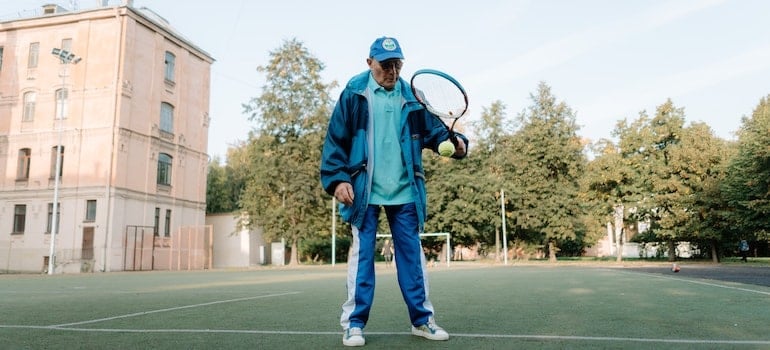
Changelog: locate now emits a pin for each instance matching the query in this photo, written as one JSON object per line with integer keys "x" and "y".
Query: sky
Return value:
{"x": 608, "y": 60}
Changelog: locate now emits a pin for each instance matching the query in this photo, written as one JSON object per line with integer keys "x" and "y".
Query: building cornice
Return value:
{"x": 142, "y": 16}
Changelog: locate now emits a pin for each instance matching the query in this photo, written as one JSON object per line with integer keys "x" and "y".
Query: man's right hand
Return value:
{"x": 344, "y": 193}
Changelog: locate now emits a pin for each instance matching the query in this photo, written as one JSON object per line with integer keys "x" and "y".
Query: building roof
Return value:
{"x": 53, "y": 10}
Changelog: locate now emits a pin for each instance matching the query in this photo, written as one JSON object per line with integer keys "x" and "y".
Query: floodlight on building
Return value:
{"x": 66, "y": 56}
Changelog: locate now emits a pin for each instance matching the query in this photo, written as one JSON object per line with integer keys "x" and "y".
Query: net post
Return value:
{"x": 448, "y": 249}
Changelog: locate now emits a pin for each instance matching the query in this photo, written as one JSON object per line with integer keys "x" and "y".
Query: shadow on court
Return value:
{"x": 756, "y": 275}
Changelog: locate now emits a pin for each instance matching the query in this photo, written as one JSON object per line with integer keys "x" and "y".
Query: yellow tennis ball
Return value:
{"x": 446, "y": 148}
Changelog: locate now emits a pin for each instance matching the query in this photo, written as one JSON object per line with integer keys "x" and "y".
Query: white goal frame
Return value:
{"x": 431, "y": 234}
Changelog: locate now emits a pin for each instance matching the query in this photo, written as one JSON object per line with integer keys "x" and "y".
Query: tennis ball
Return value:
{"x": 446, "y": 148}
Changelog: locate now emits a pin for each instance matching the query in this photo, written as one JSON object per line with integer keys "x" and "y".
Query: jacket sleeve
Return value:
{"x": 436, "y": 133}
{"x": 336, "y": 148}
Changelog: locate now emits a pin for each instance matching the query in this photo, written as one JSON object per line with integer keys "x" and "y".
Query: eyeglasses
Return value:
{"x": 391, "y": 64}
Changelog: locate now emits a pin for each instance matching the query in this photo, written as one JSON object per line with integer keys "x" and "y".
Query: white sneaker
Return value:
{"x": 430, "y": 331}
{"x": 353, "y": 336}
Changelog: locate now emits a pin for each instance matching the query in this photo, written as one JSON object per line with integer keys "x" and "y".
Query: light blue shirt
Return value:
{"x": 390, "y": 183}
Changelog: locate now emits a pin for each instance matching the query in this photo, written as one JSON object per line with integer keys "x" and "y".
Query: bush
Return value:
{"x": 320, "y": 249}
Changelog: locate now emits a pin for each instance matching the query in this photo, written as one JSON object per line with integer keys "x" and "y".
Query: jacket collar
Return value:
{"x": 360, "y": 82}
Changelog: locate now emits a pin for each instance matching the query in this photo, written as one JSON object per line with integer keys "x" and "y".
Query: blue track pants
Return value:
{"x": 409, "y": 261}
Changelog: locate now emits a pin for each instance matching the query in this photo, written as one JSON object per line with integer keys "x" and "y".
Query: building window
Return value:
{"x": 91, "y": 210}
{"x": 167, "y": 224}
{"x": 164, "y": 169}
{"x": 61, "y": 103}
{"x": 167, "y": 118}
{"x": 22, "y": 173}
{"x": 156, "y": 225}
{"x": 50, "y": 218}
{"x": 34, "y": 52}
{"x": 19, "y": 218}
{"x": 1, "y": 58}
{"x": 170, "y": 61}
{"x": 29, "y": 106}
{"x": 53, "y": 162}
{"x": 66, "y": 44}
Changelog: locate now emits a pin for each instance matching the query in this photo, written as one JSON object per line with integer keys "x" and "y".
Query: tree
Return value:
{"x": 453, "y": 198}
{"x": 218, "y": 196}
{"x": 646, "y": 146}
{"x": 697, "y": 165}
{"x": 665, "y": 169}
{"x": 282, "y": 194}
{"x": 458, "y": 195}
{"x": 746, "y": 187}
{"x": 225, "y": 182}
{"x": 604, "y": 188}
{"x": 549, "y": 162}
{"x": 710, "y": 222}
{"x": 493, "y": 155}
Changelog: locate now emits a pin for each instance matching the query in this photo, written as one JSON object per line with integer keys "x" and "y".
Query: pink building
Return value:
{"x": 132, "y": 117}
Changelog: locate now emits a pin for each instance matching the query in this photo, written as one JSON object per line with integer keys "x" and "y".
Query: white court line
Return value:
{"x": 645, "y": 340}
{"x": 453, "y": 335}
{"x": 652, "y": 274}
{"x": 169, "y": 309}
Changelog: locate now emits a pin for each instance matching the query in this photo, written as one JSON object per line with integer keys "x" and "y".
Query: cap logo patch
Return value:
{"x": 389, "y": 44}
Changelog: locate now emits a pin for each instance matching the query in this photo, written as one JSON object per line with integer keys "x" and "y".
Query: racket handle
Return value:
{"x": 453, "y": 137}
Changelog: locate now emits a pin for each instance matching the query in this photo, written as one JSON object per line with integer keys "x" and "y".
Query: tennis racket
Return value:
{"x": 442, "y": 96}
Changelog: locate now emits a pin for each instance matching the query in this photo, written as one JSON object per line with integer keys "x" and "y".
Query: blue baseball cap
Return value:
{"x": 385, "y": 48}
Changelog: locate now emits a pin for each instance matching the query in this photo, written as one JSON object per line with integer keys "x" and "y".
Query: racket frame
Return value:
{"x": 438, "y": 114}
{"x": 427, "y": 105}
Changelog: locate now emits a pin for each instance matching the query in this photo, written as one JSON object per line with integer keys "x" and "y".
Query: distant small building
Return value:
{"x": 236, "y": 247}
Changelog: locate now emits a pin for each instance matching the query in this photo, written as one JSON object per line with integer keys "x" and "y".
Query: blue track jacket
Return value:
{"x": 346, "y": 157}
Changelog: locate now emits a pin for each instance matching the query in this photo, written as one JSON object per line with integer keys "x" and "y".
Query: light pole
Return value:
{"x": 66, "y": 58}
{"x": 334, "y": 230}
{"x": 505, "y": 234}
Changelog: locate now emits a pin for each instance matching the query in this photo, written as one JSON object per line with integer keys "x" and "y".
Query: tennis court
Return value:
{"x": 483, "y": 306}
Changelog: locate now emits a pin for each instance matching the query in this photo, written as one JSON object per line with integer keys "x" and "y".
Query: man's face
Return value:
{"x": 386, "y": 72}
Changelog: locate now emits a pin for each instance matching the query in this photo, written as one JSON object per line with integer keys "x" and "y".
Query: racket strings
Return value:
{"x": 441, "y": 96}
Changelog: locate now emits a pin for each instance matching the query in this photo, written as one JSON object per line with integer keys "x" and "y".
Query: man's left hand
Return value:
{"x": 460, "y": 148}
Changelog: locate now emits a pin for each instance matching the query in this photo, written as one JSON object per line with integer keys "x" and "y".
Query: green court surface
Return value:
{"x": 482, "y": 306}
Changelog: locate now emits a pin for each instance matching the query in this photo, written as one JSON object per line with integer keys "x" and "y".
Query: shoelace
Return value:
{"x": 432, "y": 324}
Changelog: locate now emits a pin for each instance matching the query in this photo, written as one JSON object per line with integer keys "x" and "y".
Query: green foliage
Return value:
{"x": 282, "y": 194}
{"x": 549, "y": 159}
{"x": 226, "y": 182}
{"x": 703, "y": 158}
{"x": 666, "y": 174}
{"x": 319, "y": 249}
{"x": 746, "y": 187}
{"x": 571, "y": 247}
{"x": 219, "y": 198}
{"x": 455, "y": 198}
{"x": 603, "y": 186}
{"x": 676, "y": 179}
